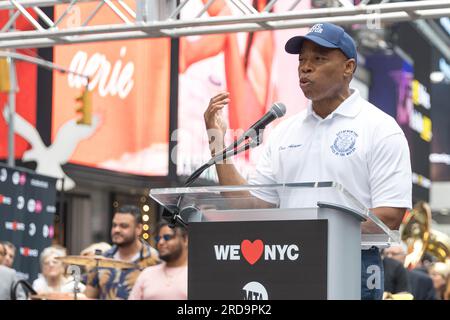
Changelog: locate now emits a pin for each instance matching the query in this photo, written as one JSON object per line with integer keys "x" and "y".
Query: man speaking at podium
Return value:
{"x": 339, "y": 137}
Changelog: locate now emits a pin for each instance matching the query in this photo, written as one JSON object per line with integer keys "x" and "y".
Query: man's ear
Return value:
{"x": 139, "y": 229}
{"x": 185, "y": 241}
{"x": 350, "y": 67}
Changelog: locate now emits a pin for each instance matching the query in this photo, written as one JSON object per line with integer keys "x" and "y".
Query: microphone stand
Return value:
{"x": 173, "y": 214}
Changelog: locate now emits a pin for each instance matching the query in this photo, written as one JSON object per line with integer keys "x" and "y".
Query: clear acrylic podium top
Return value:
{"x": 271, "y": 198}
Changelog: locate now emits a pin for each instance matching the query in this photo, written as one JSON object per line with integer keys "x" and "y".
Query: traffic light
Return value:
{"x": 5, "y": 84}
{"x": 85, "y": 108}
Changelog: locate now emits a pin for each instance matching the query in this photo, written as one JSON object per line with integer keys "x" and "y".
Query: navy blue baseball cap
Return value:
{"x": 325, "y": 35}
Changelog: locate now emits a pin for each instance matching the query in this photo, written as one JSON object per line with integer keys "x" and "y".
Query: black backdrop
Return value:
{"x": 27, "y": 208}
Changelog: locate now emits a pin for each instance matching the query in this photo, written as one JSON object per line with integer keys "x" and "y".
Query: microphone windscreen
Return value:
{"x": 278, "y": 109}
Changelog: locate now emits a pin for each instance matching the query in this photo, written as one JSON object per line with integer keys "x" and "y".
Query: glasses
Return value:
{"x": 166, "y": 237}
{"x": 51, "y": 262}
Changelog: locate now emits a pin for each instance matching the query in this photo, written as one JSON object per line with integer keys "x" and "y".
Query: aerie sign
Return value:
{"x": 111, "y": 80}
{"x": 253, "y": 251}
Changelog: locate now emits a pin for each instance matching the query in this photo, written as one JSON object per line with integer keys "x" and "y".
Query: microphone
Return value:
{"x": 277, "y": 110}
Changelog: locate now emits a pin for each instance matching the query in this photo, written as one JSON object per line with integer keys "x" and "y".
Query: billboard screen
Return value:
{"x": 440, "y": 97}
{"x": 395, "y": 90}
{"x": 253, "y": 67}
{"x": 129, "y": 81}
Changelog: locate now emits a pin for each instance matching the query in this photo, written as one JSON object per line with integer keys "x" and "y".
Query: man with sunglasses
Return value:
{"x": 340, "y": 137}
{"x": 168, "y": 280}
{"x": 110, "y": 283}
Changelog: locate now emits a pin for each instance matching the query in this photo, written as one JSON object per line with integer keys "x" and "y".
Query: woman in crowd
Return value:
{"x": 53, "y": 278}
{"x": 440, "y": 273}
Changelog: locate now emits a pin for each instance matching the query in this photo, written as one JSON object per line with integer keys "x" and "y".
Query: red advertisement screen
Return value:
{"x": 129, "y": 81}
{"x": 25, "y": 98}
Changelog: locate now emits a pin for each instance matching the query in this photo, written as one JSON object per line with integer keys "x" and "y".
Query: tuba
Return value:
{"x": 439, "y": 246}
{"x": 419, "y": 238}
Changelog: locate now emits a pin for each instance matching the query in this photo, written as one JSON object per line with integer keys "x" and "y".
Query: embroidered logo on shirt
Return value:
{"x": 344, "y": 144}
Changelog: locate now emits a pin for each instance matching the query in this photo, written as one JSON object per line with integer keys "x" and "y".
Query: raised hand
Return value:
{"x": 216, "y": 125}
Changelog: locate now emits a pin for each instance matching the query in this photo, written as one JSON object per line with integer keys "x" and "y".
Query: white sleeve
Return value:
{"x": 390, "y": 174}
{"x": 39, "y": 285}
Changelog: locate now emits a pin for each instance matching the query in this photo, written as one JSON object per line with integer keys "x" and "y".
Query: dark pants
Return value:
{"x": 372, "y": 275}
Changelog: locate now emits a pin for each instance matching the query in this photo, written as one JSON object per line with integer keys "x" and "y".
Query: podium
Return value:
{"x": 281, "y": 241}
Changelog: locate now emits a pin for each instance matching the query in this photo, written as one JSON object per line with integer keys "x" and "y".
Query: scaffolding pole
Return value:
{"x": 131, "y": 24}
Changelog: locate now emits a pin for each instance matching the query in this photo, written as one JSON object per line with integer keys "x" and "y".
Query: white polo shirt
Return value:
{"x": 358, "y": 146}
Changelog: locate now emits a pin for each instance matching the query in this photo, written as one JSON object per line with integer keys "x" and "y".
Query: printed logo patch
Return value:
{"x": 344, "y": 144}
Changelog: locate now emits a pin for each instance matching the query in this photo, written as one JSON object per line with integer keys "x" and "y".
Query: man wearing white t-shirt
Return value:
{"x": 340, "y": 137}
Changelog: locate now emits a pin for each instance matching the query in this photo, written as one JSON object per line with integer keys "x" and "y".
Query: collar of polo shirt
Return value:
{"x": 347, "y": 108}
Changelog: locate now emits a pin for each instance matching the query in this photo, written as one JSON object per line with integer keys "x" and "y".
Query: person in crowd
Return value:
{"x": 440, "y": 273}
{"x": 116, "y": 283}
{"x": 2, "y": 253}
{"x": 339, "y": 137}
{"x": 395, "y": 276}
{"x": 168, "y": 280}
{"x": 10, "y": 254}
{"x": 425, "y": 263}
{"x": 420, "y": 283}
{"x": 8, "y": 278}
{"x": 53, "y": 278}
{"x": 447, "y": 289}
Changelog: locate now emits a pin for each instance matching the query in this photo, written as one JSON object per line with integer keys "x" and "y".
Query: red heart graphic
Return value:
{"x": 252, "y": 251}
